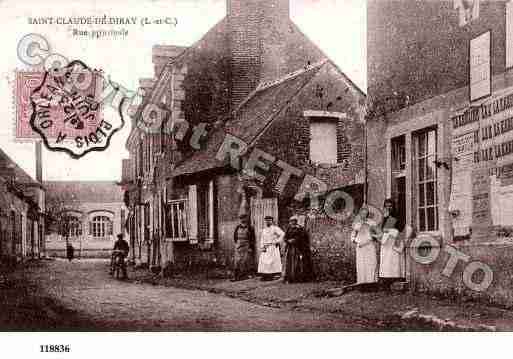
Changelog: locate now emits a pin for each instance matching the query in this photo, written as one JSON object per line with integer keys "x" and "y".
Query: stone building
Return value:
{"x": 22, "y": 207}
{"x": 257, "y": 82}
{"x": 439, "y": 134}
{"x": 87, "y": 214}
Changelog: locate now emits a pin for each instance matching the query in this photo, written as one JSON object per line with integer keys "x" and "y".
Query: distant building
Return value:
{"x": 22, "y": 207}
{"x": 87, "y": 214}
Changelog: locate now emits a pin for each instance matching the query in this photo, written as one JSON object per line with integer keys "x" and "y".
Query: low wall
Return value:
{"x": 333, "y": 254}
{"x": 84, "y": 248}
{"x": 432, "y": 278}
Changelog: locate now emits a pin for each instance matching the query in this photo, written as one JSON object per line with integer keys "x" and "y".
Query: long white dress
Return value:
{"x": 366, "y": 255}
{"x": 391, "y": 256}
{"x": 270, "y": 260}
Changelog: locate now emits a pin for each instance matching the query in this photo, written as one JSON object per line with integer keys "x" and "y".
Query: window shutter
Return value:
{"x": 211, "y": 210}
{"x": 193, "y": 213}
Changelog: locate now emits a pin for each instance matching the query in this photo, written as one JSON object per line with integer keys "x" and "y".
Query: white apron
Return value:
{"x": 270, "y": 260}
{"x": 366, "y": 255}
{"x": 391, "y": 258}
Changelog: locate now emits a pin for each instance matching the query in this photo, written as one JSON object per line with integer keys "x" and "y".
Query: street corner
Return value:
{"x": 63, "y": 107}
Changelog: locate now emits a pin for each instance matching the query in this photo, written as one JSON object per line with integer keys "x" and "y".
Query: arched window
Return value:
{"x": 75, "y": 227}
{"x": 100, "y": 227}
{"x": 70, "y": 226}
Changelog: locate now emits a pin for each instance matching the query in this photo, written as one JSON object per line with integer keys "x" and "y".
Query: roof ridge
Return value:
{"x": 17, "y": 168}
{"x": 290, "y": 75}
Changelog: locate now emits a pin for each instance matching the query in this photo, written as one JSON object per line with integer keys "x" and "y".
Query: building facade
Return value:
{"x": 86, "y": 214}
{"x": 22, "y": 209}
{"x": 256, "y": 81}
{"x": 439, "y": 137}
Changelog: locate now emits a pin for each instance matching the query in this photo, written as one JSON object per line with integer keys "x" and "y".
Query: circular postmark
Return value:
{"x": 67, "y": 111}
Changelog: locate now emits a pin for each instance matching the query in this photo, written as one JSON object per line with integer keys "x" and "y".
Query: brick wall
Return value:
{"x": 264, "y": 44}
{"x": 417, "y": 48}
{"x": 288, "y": 137}
{"x": 245, "y": 56}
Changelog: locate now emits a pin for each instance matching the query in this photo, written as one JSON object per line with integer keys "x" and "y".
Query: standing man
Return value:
{"x": 269, "y": 264}
{"x": 244, "y": 238}
{"x": 70, "y": 252}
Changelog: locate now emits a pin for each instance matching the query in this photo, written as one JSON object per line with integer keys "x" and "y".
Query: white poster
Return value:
{"x": 509, "y": 34}
{"x": 461, "y": 186}
{"x": 480, "y": 69}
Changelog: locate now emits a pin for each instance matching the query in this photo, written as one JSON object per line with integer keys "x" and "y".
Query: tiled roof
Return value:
{"x": 85, "y": 191}
{"x": 21, "y": 175}
{"x": 251, "y": 118}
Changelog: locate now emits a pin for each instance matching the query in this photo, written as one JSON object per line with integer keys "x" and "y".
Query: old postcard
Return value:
{"x": 255, "y": 165}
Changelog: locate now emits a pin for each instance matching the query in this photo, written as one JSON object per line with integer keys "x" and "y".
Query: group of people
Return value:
{"x": 293, "y": 243}
{"x": 366, "y": 235}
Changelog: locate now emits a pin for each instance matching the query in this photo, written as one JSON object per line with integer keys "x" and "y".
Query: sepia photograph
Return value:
{"x": 237, "y": 166}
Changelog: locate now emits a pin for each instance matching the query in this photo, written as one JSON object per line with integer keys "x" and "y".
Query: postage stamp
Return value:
{"x": 64, "y": 109}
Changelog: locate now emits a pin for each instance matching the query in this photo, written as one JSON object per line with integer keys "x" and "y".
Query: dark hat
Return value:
{"x": 268, "y": 217}
{"x": 243, "y": 215}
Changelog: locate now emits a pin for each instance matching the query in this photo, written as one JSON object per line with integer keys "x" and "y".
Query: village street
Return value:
{"x": 82, "y": 296}
{"x": 57, "y": 295}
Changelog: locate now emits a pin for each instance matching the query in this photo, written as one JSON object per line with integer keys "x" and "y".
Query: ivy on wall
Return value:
{"x": 206, "y": 86}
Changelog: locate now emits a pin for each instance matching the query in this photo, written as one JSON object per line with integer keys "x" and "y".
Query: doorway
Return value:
{"x": 261, "y": 207}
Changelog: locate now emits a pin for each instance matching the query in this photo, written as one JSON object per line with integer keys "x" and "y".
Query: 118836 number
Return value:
{"x": 55, "y": 348}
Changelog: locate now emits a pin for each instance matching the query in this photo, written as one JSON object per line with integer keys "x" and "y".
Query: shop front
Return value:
{"x": 448, "y": 165}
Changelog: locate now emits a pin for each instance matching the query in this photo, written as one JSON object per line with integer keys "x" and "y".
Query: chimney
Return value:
{"x": 257, "y": 31}
{"x": 39, "y": 162}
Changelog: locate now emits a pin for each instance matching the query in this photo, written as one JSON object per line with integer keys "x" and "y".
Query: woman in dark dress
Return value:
{"x": 298, "y": 258}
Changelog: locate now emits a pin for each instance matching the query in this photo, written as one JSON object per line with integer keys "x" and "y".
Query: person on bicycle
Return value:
{"x": 122, "y": 248}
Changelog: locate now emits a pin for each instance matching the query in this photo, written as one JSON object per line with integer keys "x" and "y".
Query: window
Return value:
{"x": 74, "y": 226}
{"x": 323, "y": 140}
{"x": 206, "y": 210}
{"x": 176, "y": 220}
{"x": 398, "y": 154}
{"x": 101, "y": 227}
{"x": 425, "y": 175}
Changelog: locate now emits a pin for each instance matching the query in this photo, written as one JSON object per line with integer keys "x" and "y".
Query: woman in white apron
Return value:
{"x": 392, "y": 263}
{"x": 269, "y": 264}
{"x": 366, "y": 255}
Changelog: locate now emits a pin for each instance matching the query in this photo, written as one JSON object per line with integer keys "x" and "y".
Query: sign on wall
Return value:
{"x": 481, "y": 213}
{"x": 509, "y": 34}
{"x": 482, "y": 168}
{"x": 480, "y": 66}
{"x": 461, "y": 184}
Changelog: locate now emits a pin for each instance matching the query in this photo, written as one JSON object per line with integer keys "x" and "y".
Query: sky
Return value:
{"x": 338, "y": 27}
